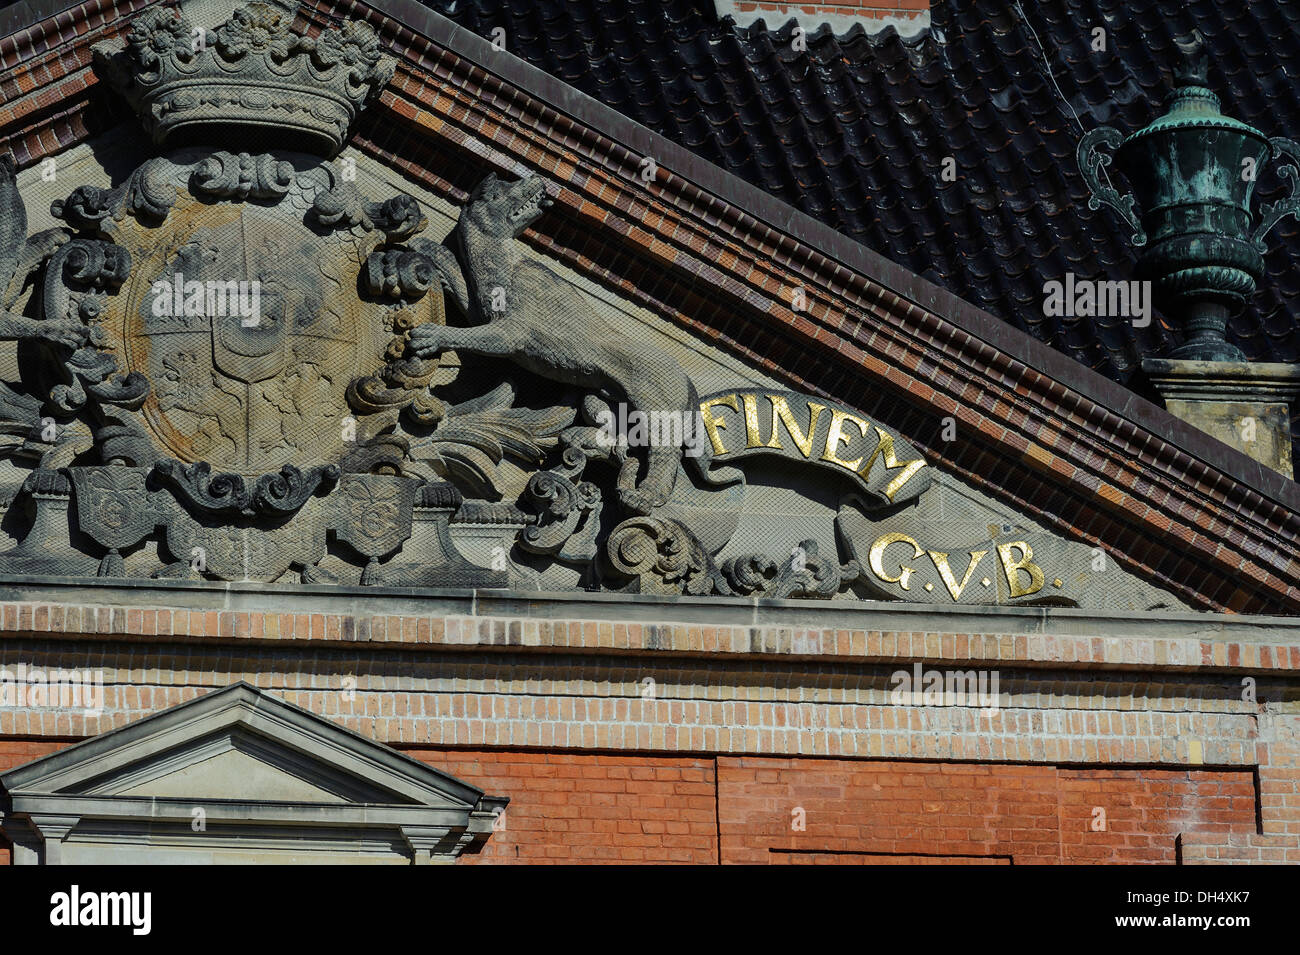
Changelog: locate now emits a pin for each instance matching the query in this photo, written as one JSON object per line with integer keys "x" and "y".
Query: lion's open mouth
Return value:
{"x": 533, "y": 203}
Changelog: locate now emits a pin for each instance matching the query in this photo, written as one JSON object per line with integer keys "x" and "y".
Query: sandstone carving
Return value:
{"x": 238, "y": 365}
{"x": 520, "y": 310}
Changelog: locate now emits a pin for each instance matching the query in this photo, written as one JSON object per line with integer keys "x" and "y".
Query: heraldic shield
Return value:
{"x": 249, "y": 364}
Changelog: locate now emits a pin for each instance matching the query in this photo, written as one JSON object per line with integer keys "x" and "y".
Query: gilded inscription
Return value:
{"x": 798, "y": 428}
{"x": 898, "y": 569}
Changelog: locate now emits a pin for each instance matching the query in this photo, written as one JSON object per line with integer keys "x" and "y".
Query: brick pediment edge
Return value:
{"x": 1040, "y": 432}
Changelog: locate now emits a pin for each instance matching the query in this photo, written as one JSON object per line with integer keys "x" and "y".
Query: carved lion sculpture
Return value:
{"x": 523, "y": 312}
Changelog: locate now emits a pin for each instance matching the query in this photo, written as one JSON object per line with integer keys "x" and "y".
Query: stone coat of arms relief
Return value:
{"x": 237, "y": 366}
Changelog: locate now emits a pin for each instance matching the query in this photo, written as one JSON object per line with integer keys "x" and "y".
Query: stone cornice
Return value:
{"x": 845, "y": 632}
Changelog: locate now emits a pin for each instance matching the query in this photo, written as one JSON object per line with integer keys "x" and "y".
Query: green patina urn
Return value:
{"x": 1192, "y": 173}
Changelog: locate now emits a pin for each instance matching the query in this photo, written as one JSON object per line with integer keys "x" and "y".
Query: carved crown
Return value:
{"x": 249, "y": 76}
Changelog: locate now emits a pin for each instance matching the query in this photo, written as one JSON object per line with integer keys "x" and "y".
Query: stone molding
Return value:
{"x": 773, "y": 629}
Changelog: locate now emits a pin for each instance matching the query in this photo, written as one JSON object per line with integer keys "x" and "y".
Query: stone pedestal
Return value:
{"x": 1244, "y": 404}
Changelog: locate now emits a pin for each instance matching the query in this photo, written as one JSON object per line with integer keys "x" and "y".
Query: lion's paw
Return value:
{"x": 642, "y": 500}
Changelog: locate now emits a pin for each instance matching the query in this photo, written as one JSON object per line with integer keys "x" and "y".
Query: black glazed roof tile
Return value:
{"x": 854, "y": 130}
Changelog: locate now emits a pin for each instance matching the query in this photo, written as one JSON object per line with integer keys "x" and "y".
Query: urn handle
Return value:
{"x": 1092, "y": 164}
{"x": 1271, "y": 213}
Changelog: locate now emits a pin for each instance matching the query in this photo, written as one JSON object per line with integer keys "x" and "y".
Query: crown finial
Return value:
{"x": 250, "y": 76}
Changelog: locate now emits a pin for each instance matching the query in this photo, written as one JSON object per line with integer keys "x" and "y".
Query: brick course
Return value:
{"x": 552, "y": 711}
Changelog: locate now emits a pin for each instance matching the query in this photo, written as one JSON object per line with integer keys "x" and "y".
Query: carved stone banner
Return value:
{"x": 748, "y": 422}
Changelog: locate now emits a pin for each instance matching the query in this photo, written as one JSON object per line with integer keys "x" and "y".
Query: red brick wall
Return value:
{"x": 579, "y": 808}
{"x": 567, "y": 808}
{"x": 583, "y": 808}
{"x": 990, "y": 813}
{"x": 15, "y": 752}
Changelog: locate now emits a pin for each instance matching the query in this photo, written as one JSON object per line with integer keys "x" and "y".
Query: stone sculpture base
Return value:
{"x": 1243, "y": 404}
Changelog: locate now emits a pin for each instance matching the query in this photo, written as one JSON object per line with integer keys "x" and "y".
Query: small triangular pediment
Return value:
{"x": 257, "y": 780}
{"x": 246, "y": 744}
